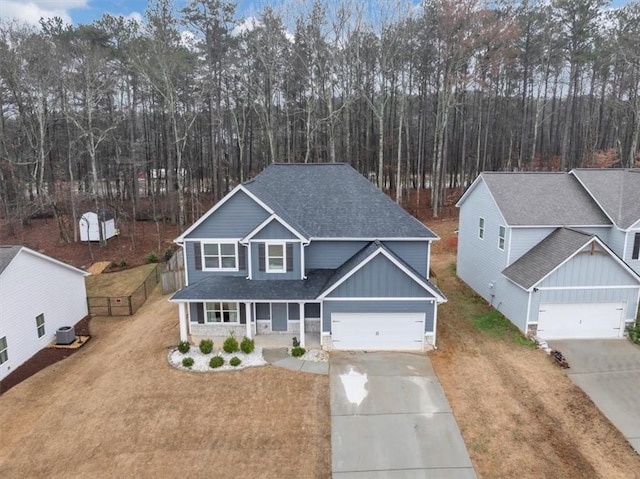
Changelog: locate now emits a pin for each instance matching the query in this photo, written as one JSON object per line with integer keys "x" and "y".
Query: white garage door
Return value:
{"x": 580, "y": 320}
{"x": 377, "y": 331}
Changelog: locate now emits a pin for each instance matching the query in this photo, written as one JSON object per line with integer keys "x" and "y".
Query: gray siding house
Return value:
{"x": 557, "y": 253}
{"x": 310, "y": 249}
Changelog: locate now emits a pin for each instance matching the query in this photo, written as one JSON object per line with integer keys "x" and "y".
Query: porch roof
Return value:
{"x": 241, "y": 288}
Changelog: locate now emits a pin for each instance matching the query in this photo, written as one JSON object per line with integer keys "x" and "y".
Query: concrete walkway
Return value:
{"x": 609, "y": 372}
{"x": 390, "y": 419}
{"x": 280, "y": 357}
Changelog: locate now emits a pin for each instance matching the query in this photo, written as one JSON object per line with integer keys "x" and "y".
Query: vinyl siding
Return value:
{"x": 329, "y": 307}
{"x": 30, "y": 286}
{"x": 380, "y": 278}
{"x": 234, "y": 219}
{"x": 275, "y": 231}
{"x": 256, "y": 274}
{"x": 414, "y": 253}
{"x": 195, "y": 275}
{"x": 330, "y": 254}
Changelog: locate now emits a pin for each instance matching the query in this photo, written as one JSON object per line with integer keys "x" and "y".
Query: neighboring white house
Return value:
{"x": 91, "y": 221}
{"x": 38, "y": 295}
{"x": 557, "y": 253}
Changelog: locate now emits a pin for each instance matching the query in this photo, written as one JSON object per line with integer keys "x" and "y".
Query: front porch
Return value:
{"x": 265, "y": 341}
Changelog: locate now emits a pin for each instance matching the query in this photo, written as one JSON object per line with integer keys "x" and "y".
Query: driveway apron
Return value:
{"x": 609, "y": 372}
{"x": 390, "y": 419}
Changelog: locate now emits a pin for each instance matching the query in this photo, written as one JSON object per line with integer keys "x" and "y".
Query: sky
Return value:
{"x": 86, "y": 11}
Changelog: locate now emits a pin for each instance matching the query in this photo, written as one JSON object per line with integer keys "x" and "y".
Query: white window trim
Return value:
{"x": 219, "y": 305}
{"x": 482, "y": 228}
{"x": 39, "y": 326}
{"x": 5, "y": 350}
{"x": 284, "y": 257}
{"x": 219, "y": 243}
{"x": 502, "y": 238}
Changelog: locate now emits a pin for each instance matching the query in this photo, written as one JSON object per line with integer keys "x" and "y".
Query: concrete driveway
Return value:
{"x": 609, "y": 372}
{"x": 391, "y": 419}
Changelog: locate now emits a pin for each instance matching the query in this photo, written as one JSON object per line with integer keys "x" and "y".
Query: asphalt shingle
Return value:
{"x": 7, "y": 253}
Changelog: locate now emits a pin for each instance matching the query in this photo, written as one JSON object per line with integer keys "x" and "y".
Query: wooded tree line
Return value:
{"x": 185, "y": 105}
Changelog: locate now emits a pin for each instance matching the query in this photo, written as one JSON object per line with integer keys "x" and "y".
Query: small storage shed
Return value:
{"x": 91, "y": 221}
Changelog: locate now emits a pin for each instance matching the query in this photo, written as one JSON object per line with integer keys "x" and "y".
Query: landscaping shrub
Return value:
{"x": 112, "y": 264}
{"x": 187, "y": 362}
{"x": 122, "y": 263}
{"x": 152, "y": 257}
{"x": 168, "y": 254}
{"x": 206, "y": 346}
{"x": 216, "y": 362}
{"x": 184, "y": 347}
{"x": 297, "y": 351}
{"x": 230, "y": 345}
{"x": 247, "y": 345}
{"x": 634, "y": 333}
{"x": 235, "y": 361}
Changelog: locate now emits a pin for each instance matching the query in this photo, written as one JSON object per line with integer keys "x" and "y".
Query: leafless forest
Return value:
{"x": 167, "y": 115}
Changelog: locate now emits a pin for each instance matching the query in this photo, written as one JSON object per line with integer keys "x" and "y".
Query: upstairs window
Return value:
{"x": 4, "y": 355}
{"x": 502, "y": 231}
{"x": 276, "y": 258}
{"x": 219, "y": 257}
{"x": 221, "y": 312}
{"x": 635, "y": 254}
{"x": 40, "y": 325}
{"x": 481, "y": 228}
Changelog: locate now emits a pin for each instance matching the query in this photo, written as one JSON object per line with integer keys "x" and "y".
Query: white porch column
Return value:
{"x": 184, "y": 327}
{"x": 301, "y": 324}
{"x": 247, "y": 312}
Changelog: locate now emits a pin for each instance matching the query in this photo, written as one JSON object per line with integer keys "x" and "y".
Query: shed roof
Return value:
{"x": 616, "y": 190}
{"x": 543, "y": 199}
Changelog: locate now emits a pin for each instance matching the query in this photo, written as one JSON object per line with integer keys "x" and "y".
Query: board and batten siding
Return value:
{"x": 236, "y": 218}
{"x": 274, "y": 231}
{"x": 379, "y": 278}
{"x": 330, "y": 254}
{"x": 414, "y": 253}
{"x": 194, "y": 274}
{"x": 480, "y": 262}
{"x": 427, "y": 307}
{"x": 30, "y": 286}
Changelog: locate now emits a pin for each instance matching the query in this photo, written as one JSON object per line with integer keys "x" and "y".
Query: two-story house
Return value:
{"x": 310, "y": 249}
{"x": 557, "y": 253}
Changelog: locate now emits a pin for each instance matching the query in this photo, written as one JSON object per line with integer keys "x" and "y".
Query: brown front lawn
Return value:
{"x": 519, "y": 413}
{"x": 117, "y": 409}
{"x": 120, "y": 283}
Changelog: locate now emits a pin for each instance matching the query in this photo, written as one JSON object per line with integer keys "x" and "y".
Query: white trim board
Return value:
{"x": 273, "y": 217}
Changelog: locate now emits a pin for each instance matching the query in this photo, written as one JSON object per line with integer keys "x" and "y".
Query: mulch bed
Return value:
{"x": 43, "y": 358}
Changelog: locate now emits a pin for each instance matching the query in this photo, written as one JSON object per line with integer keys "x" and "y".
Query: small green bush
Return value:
{"x": 122, "y": 263}
{"x": 634, "y": 333}
{"x": 247, "y": 345}
{"x": 230, "y": 345}
{"x": 187, "y": 362}
{"x": 112, "y": 264}
{"x": 168, "y": 254}
{"x": 216, "y": 362}
{"x": 297, "y": 351}
{"x": 152, "y": 257}
{"x": 206, "y": 346}
{"x": 184, "y": 347}
{"x": 235, "y": 361}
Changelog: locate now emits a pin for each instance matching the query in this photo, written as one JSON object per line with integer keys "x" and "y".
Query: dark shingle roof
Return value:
{"x": 332, "y": 200}
{"x": 546, "y": 256}
{"x": 241, "y": 288}
{"x": 7, "y": 253}
{"x": 543, "y": 199}
{"x": 616, "y": 190}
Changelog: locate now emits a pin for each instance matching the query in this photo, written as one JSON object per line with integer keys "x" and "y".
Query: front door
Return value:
{"x": 278, "y": 317}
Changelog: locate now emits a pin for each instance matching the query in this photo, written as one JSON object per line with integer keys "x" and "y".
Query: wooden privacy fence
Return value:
{"x": 173, "y": 275}
{"x": 124, "y": 305}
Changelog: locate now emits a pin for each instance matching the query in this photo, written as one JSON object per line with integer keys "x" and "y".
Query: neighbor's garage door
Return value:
{"x": 377, "y": 331}
{"x": 580, "y": 320}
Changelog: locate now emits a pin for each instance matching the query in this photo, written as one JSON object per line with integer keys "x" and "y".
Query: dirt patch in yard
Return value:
{"x": 117, "y": 407}
{"x": 519, "y": 413}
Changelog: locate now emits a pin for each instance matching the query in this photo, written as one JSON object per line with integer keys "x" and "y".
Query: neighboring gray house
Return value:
{"x": 315, "y": 245}
{"x": 557, "y": 253}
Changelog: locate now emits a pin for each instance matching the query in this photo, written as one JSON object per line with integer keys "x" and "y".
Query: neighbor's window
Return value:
{"x": 221, "y": 312}
{"x": 635, "y": 254}
{"x": 40, "y": 325}
{"x": 481, "y": 228}
{"x": 276, "y": 258}
{"x": 501, "y": 234}
{"x": 4, "y": 355}
{"x": 219, "y": 256}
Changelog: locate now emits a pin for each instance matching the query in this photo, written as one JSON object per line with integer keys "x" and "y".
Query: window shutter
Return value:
{"x": 261, "y": 258}
{"x": 197, "y": 255}
{"x": 242, "y": 257}
{"x": 636, "y": 247}
{"x": 289, "y": 256}
{"x": 200, "y": 312}
{"x": 243, "y": 314}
